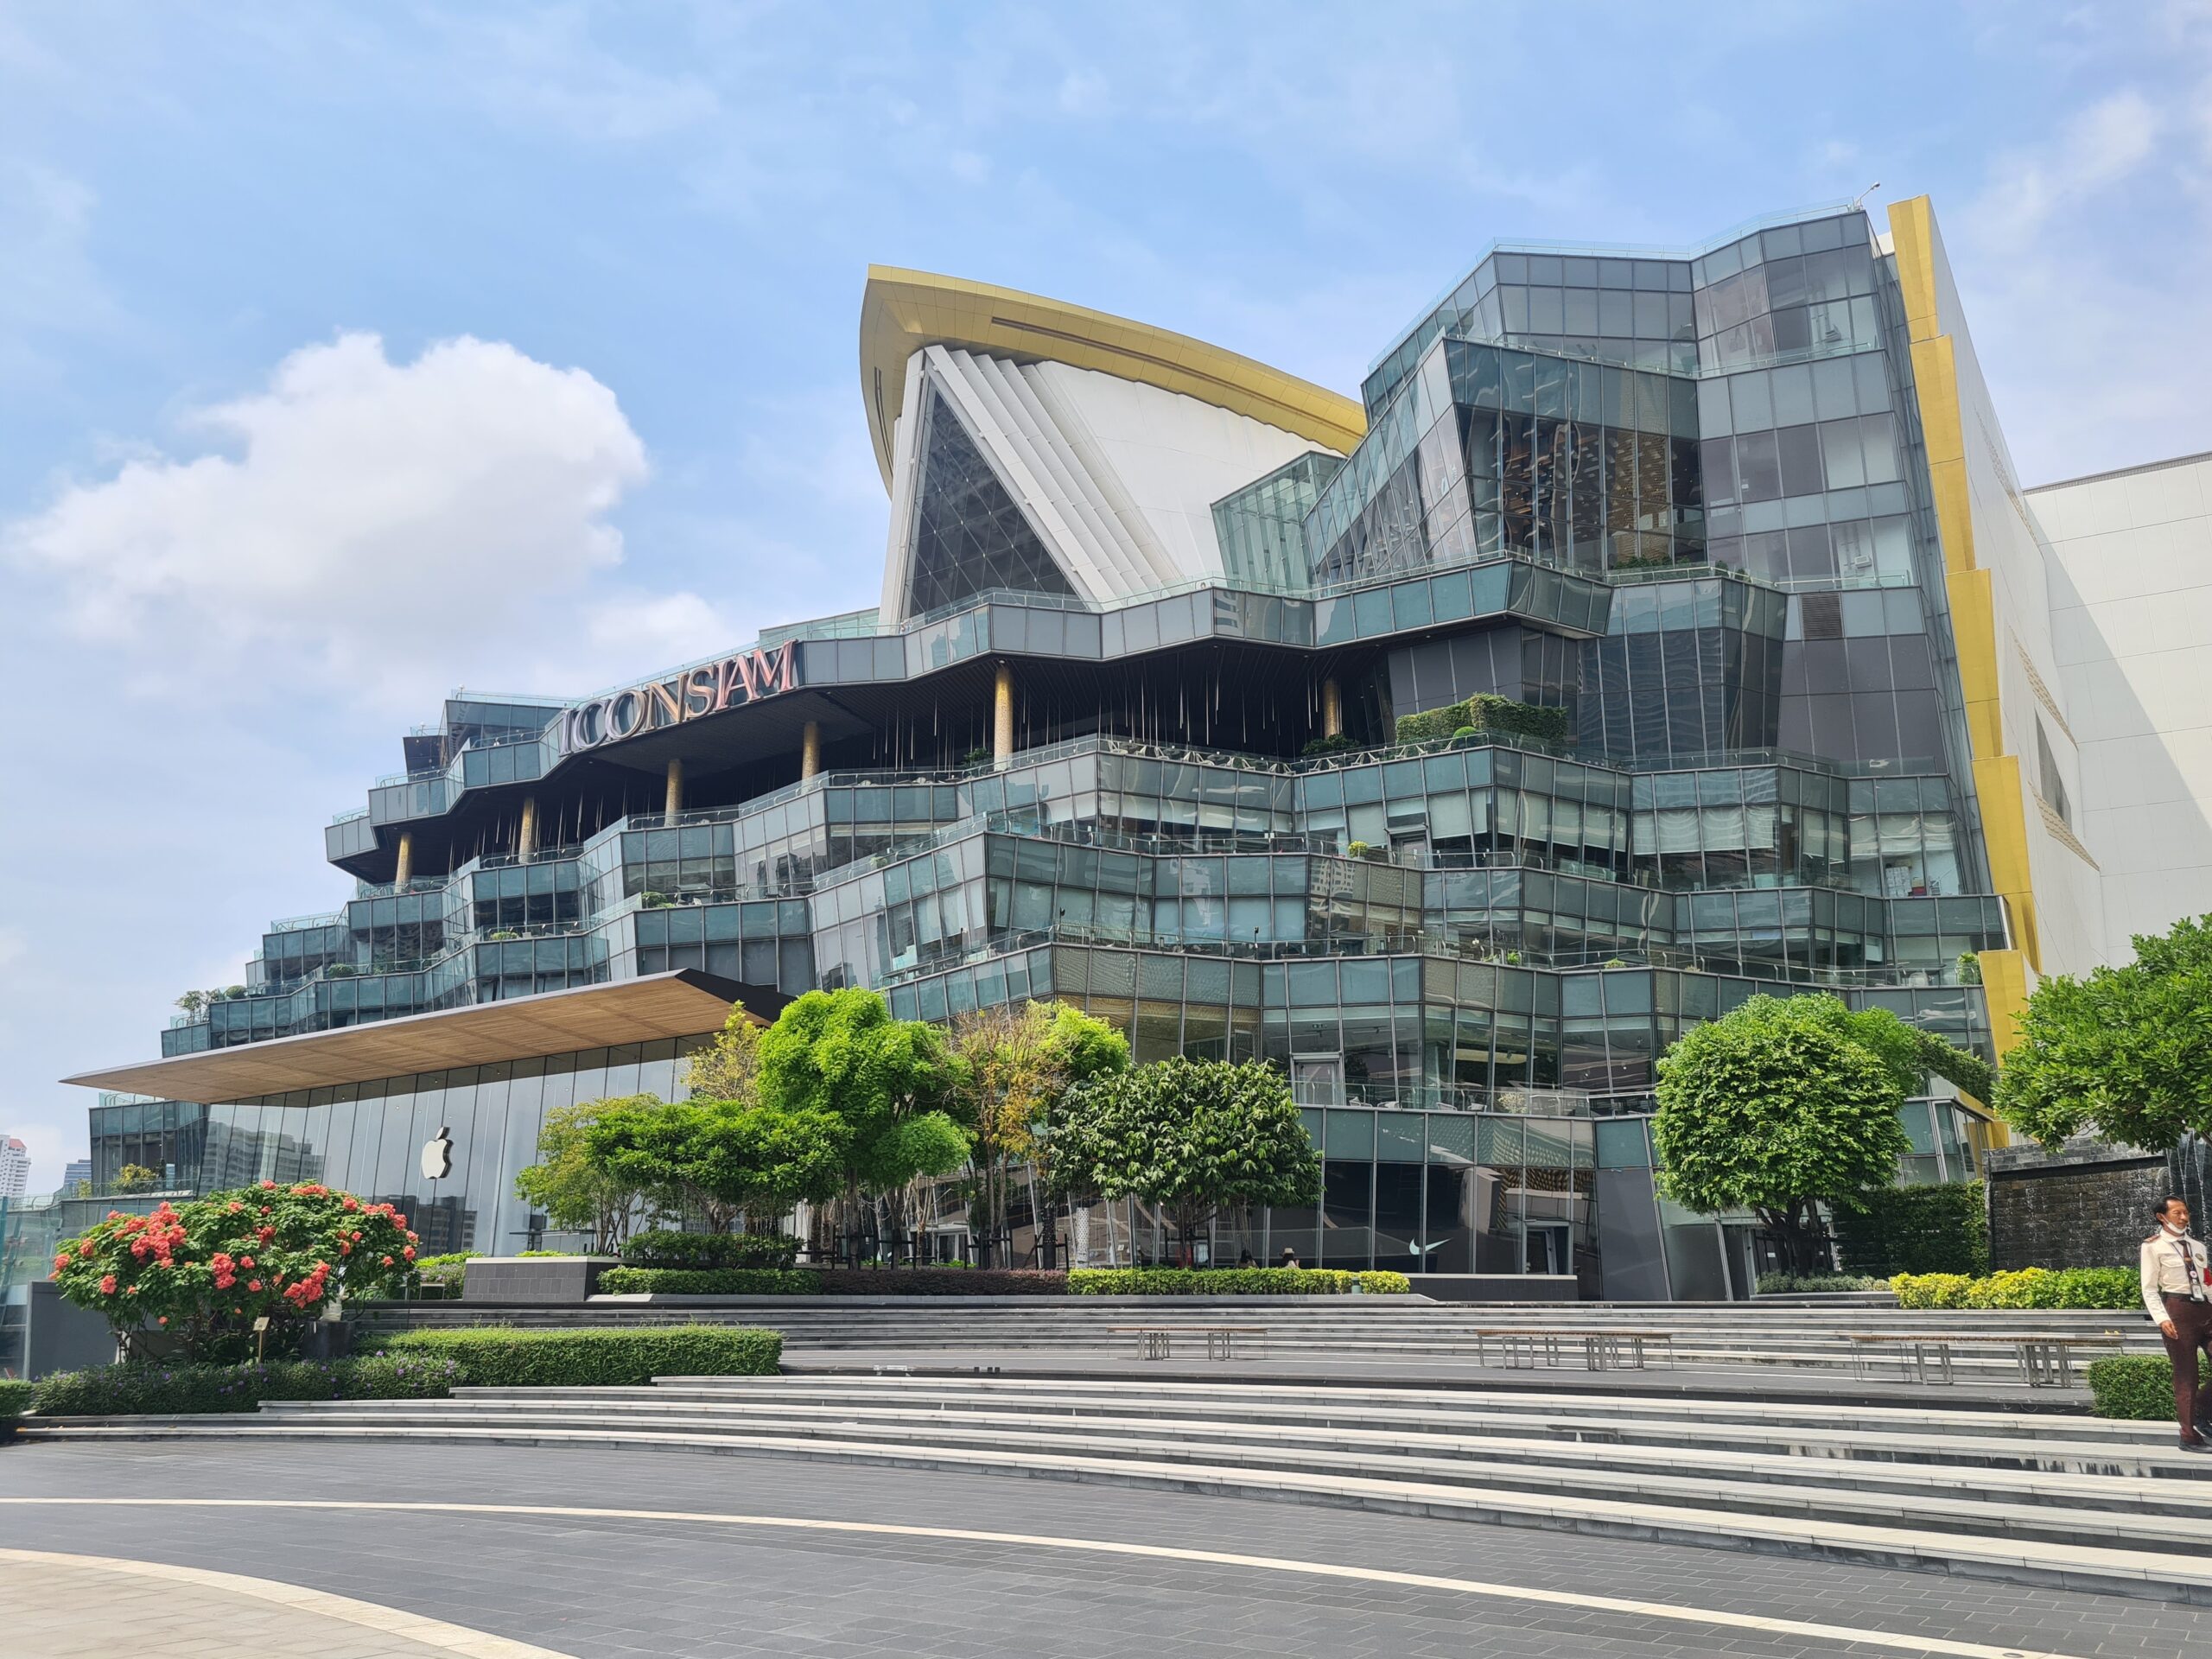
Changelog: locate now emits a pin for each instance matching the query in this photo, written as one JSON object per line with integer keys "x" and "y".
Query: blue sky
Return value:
{"x": 351, "y": 353}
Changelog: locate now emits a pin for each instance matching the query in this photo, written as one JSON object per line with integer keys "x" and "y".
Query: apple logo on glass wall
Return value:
{"x": 437, "y": 1156}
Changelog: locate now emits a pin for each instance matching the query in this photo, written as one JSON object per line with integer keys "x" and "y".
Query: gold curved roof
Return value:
{"x": 902, "y": 311}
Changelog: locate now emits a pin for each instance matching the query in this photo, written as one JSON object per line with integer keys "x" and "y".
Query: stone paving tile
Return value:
{"x": 54, "y": 1611}
{"x": 623, "y": 1587}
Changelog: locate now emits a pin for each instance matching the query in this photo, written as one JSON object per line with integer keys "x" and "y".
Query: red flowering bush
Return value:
{"x": 206, "y": 1272}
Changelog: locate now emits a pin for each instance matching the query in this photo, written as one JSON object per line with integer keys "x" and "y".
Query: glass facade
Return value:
{"x": 1682, "y": 500}
{"x": 969, "y": 535}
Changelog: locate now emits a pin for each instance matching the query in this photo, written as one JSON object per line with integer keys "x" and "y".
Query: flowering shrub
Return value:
{"x": 206, "y": 1272}
{"x": 116, "y": 1390}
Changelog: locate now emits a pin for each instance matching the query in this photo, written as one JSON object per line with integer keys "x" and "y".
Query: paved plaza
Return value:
{"x": 640, "y": 1553}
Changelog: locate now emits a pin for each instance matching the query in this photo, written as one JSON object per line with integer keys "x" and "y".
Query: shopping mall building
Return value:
{"x": 1841, "y": 706}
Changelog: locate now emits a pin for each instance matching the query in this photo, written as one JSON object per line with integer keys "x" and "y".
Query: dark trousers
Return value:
{"x": 2192, "y": 1330}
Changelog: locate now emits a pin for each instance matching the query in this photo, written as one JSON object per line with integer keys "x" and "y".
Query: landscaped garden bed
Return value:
{"x": 415, "y": 1365}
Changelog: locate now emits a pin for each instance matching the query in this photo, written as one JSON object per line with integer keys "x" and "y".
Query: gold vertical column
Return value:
{"x": 675, "y": 789}
{"x": 1002, "y": 720}
{"x": 810, "y": 750}
{"x": 1333, "y": 709}
{"x": 403, "y": 871}
{"x": 526, "y": 833}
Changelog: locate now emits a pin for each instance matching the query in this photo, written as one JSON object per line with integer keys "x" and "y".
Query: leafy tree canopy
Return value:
{"x": 1191, "y": 1136}
{"x": 2126, "y": 1050}
{"x": 1909, "y": 1054}
{"x": 720, "y": 1157}
{"x": 1776, "y": 1106}
{"x": 841, "y": 1053}
{"x": 729, "y": 1067}
{"x": 575, "y": 1193}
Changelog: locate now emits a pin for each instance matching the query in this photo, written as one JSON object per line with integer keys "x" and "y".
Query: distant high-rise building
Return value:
{"x": 14, "y": 1167}
{"x": 78, "y": 1169}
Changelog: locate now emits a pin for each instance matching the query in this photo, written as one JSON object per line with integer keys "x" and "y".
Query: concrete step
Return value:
{"x": 2044, "y": 1544}
{"x": 2156, "y": 1483}
{"x": 1829, "y": 1454}
{"x": 1353, "y": 1406}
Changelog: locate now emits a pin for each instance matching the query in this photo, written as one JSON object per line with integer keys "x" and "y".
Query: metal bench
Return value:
{"x": 1524, "y": 1347}
{"x": 2046, "y": 1361}
{"x": 1158, "y": 1341}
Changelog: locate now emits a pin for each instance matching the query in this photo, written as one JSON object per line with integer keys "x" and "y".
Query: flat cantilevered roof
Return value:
{"x": 686, "y": 1003}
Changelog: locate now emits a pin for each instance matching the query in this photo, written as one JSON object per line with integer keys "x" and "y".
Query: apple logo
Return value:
{"x": 437, "y": 1156}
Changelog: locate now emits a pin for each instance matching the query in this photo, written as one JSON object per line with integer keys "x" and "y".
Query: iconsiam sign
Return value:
{"x": 742, "y": 677}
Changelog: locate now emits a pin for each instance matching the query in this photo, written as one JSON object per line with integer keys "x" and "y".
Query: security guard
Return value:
{"x": 2177, "y": 1293}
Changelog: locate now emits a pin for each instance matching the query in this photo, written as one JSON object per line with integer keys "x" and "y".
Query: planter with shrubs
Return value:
{"x": 503, "y": 1356}
{"x": 416, "y": 1365}
{"x": 664, "y": 1249}
{"x": 2078, "y": 1287}
{"x": 1233, "y": 1282}
{"x": 15, "y": 1401}
{"x": 831, "y": 1281}
{"x": 2135, "y": 1386}
{"x": 1816, "y": 1284}
{"x": 710, "y": 1281}
{"x": 168, "y": 1390}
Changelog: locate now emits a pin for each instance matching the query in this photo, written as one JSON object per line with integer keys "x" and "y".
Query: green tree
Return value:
{"x": 1776, "y": 1107}
{"x": 576, "y": 1194}
{"x": 729, "y": 1067}
{"x": 1908, "y": 1053}
{"x": 1193, "y": 1137}
{"x": 136, "y": 1177}
{"x": 889, "y": 1081}
{"x": 1011, "y": 1064}
{"x": 721, "y": 1159}
{"x": 2126, "y": 1052}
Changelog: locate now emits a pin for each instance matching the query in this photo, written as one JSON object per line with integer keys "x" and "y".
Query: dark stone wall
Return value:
{"x": 2086, "y": 1205}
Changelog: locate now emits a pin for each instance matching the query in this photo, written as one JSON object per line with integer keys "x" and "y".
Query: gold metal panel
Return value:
{"x": 1974, "y": 621}
{"x": 683, "y": 1004}
{"x": 903, "y": 311}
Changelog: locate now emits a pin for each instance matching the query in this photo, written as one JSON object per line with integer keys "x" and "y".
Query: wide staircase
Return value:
{"x": 2031, "y": 1497}
{"x": 1407, "y": 1330}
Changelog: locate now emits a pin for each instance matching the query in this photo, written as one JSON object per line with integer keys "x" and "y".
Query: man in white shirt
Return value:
{"x": 2177, "y": 1294}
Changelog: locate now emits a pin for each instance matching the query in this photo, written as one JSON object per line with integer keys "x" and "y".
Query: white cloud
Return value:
{"x": 2096, "y": 147}
{"x": 390, "y": 525}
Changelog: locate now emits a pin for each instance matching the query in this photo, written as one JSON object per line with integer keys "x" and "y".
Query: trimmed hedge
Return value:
{"x": 503, "y": 1356}
{"x": 1232, "y": 1281}
{"x": 698, "y": 1251}
{"x": 1487, "y": 713}
{"x": 831, "y": 1281}
{"x": 2136, "y": 1386}
{"x": 1800, "y": 1284}
{"x": 710, "y": 1281}
{"x": 2103, "y": 1287}
{"x": 166, "y": 1390}
{"x": 1934, "y": 1229}
{"x": 942, "y": 1282}
{"x": 15, "y": 1401}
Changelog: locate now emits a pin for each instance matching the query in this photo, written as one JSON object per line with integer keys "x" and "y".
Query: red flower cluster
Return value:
{"x": 156, "y": 1235}
{"x": 226, "y": 1269}
{"x": 304, "y": 1293}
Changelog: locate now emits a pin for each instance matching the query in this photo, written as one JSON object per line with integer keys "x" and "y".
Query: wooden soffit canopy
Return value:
{"x": 686, "y": 1003}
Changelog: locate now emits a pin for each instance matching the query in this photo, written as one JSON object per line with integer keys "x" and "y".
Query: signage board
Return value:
{"x": 741, "y": 677}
